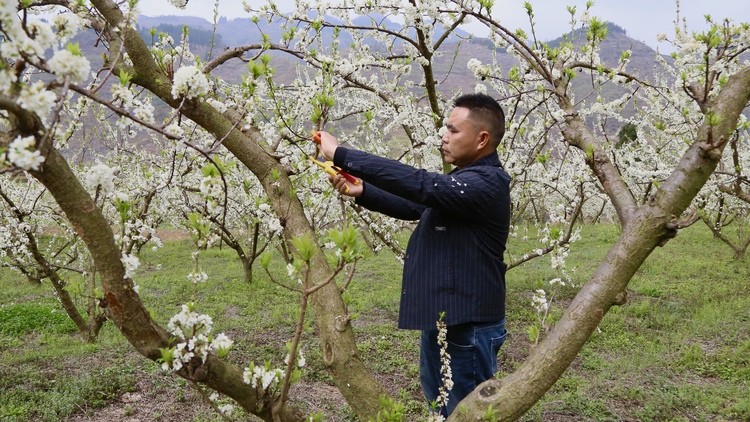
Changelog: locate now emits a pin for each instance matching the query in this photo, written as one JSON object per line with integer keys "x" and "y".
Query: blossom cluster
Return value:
{"x": 263, "y": 376}
{"x": 190, "y": 82}
{"x": 445, "y": 368}
{"x": 66, "y": 63}
{"x": 13, "y": 240}
{"x": 131, "y": 264}
{"x": 197, "y": 277}
{"x": 140, "y": 108}
{"x": 539, "y": 301}
{"x": 36, "y": 98}
{"x": 30, "y": 40}
{"x": 22, "y": 153}
{"x": 194, "y": 330}
{"x": 180, "y": 4}
{"x": 101, "y": 177}
{"x": 226, "y": 409}
{"x": 301, "y": 361}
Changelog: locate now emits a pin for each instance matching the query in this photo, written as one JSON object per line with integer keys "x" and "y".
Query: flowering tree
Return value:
{"x": 564, "y": 167}
{"x": 690, "y": 121}
{"x": 725, "y": 202}
{"x": 25, "y": 248}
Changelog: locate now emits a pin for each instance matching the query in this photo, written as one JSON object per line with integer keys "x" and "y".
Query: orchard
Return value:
{"x": 227, "y": 162}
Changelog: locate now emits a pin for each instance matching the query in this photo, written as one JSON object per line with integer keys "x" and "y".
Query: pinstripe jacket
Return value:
{"x": 454, "y": 259}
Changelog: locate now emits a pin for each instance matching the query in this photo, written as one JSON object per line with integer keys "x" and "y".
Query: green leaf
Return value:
{"x": 123, "y": 207}
{"x": 125, "y": 78}
{"x": 305, "y": 247}
{"x": 74, "y": 48}
{"x": 265, "y": 260}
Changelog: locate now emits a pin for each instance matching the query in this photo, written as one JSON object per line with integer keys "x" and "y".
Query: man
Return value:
{"x": 454, "y": 260}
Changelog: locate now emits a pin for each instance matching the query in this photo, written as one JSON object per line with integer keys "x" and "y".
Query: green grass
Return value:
{"x": 678, "y": 350}
{"x": 22, "y": 318}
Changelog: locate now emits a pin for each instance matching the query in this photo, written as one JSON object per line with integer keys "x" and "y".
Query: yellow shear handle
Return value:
{"x": 328, "y": 168}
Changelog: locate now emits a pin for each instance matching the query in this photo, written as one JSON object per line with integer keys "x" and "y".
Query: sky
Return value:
{"x": 642, "y": 19}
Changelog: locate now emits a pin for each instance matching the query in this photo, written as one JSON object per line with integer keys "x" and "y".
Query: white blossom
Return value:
{"x": 131, "y": 263}
{"x": 37, "y": 99}
{"x": 268, "y": 378}
{"x": 21, "y": 153}
{"x": 175, "y": 130}
{"x": 218, "y": 105}
{"x": 195, "y": 329}
{"x": 539, "y": 301}
{"x": 7, "y": 79}
{"x": 65, "y": 63}
{"x": 102, "y": 176}
{"x": 180, "y": 4}
{"x": 226, "y": 409}
{"x": 67, "y": 25}
{"x": 196, "y": 278}
{"x": 189, "y": 82}
{"x": 124, "y": 94}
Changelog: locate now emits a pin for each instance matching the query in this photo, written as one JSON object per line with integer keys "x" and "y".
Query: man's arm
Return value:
{"x": 473, "y": 192}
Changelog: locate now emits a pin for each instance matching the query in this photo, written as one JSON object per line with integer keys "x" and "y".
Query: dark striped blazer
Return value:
{"x": 454, "y": 259}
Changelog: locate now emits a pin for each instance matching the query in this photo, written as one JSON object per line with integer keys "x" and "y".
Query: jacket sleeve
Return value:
{"x": 472, "y": 192}
{"x": 378, "y": 200}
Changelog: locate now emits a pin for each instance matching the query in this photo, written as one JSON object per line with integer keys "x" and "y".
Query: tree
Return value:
{"x": 628, "y": 133}
{"x": 724, "y": 201}
{"x": 563, "y": 166}
{"x": 709, "y": 114}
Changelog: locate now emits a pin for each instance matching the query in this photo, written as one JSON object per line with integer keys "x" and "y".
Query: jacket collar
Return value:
{"x": 491, "y": 159}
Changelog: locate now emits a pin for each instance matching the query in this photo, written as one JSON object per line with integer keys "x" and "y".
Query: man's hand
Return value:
{"x": 328, "y": 144}
{"x": 346, "y": 188}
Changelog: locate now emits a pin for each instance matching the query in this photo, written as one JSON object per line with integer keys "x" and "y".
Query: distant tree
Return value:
{"x": 614, "y": 28}
{"x": 628, "y": 133}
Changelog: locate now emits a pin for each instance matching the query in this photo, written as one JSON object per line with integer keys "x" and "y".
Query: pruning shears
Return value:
{"x": 328, "y": 166}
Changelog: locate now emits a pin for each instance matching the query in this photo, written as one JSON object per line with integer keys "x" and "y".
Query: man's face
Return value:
{"x": 461, "y": 142}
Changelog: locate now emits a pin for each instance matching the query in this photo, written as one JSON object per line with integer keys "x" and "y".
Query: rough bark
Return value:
{"x": 650, "y": 225}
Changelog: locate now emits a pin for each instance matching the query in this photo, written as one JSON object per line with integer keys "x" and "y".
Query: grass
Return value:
{"x": 679, "y": 350}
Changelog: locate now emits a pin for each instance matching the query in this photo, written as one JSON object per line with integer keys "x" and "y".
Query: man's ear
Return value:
{"x": 484, "y": 139}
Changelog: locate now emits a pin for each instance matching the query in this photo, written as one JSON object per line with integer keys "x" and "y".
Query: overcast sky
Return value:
{"x": 642, "y": 19}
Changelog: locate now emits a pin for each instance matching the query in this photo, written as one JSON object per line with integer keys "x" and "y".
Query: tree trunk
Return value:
{"x": 247, "y": 269}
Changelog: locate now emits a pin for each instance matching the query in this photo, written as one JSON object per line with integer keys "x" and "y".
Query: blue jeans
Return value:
{"x": 473, "y": 349}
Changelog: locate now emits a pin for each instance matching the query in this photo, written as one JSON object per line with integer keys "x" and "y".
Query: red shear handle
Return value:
{"x": 349, "y": 178}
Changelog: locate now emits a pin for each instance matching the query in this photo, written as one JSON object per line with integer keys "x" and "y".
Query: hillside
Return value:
{"x": 453, "y": 74}
{"x": 242, "y": 31}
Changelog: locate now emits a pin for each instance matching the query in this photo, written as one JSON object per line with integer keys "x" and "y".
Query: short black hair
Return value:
{"x": 487, "y": 111}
